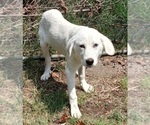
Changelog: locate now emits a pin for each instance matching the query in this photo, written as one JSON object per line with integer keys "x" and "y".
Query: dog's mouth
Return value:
{"x": 89, "y": 66}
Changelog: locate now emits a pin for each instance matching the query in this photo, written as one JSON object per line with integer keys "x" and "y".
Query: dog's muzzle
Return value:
{"x": 89, "y": 62}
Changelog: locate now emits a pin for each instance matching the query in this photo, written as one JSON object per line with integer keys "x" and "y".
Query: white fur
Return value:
{"x": 80, "y": 44}
{"x": 129, "y": 52}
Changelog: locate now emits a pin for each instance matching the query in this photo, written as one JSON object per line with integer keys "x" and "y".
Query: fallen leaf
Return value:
{"x": 55, "y": 75}
{"x": 90, "y": 14}
{"x": 106, "y": 62}
{"x": 62, "y": 3}
{"x": 64, "y": 118}
{"x": 121, "y": 62}
{"x": 140, "y": 62}
{"x": 80, "y": 123}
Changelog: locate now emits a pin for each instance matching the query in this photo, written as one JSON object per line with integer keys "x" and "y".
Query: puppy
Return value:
{"x": 81, "y": 46}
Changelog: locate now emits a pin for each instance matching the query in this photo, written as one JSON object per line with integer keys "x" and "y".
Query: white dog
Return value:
{"x": 80, "y": 44}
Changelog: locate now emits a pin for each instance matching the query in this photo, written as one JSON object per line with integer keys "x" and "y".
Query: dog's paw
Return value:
{"x": 87, "y": 87}
{"x": 45, "y": 76}
{"x": 75, "y": 112}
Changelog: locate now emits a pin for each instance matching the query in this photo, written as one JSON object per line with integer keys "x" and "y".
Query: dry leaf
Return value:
{"x": 140, "y": 62}
{"x": 90, "y": 14}
{"x": 55, "y": 75}
{"x": 121, "y": 62}
{"x": 80, "y": 123}
{"x": 64, "y": 118}
{"x": 106, "y": 62}
{"x": 62, "y": 3}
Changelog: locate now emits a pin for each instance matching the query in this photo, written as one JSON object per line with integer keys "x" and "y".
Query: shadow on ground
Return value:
{"x": 50, "y": 98}
{"x": 51, "y": 92}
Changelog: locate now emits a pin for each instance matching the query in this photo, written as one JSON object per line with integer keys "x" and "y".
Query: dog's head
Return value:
{"x": 87, "y": 44}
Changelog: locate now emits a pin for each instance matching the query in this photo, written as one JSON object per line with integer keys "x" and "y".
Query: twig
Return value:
{"x": 82, "y": 10}
{"x": 133, "y": 88}
{"x": 110, "y": 90}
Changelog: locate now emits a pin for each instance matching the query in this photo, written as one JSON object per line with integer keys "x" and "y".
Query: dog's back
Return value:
{"x": 51, "y": 17}
{"x": 49, "y": 24}
{"x": 55, "y": 30}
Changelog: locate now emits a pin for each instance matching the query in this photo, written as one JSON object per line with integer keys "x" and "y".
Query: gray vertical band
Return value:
{"x": 11, "y": 30}
{"x": 138, "y": 65}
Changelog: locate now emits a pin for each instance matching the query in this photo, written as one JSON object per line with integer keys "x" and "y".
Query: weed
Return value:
{"x": 124, "y": 83}
{"x": 146, "y": 83}
{"x": 116, "y": 115}
{"x": 55, "y": 101}
{"x": 72, "y": 121}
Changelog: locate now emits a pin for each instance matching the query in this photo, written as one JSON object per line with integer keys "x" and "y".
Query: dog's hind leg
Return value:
{"x": 85, "y": 86}
{"x": 45, "y": 51}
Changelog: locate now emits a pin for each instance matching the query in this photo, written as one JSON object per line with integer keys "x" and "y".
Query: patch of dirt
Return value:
{"x": 109, "y": 78}
{"x": 138, "y": 89}
{"x": 106, "y": 77}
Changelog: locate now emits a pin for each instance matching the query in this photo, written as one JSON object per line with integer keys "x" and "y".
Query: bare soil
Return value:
{"x": 138, "y": 89}
{"x": 109, "y": 78}
{"x": 106, "y": 78}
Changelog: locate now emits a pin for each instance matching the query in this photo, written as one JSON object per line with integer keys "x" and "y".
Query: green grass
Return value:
{"x": 138, "y": 18}
{"x": 45, "y": 102}
{"x": 108, "y": 20}
{"x": 40, "y": 105}
{"x": 139, "y": 103}
{"x": 83, "y": 97}
{"x": 115, "y": 118}
{"x": 139, "y": 10}
{"x": 124, "y": 83}
{"x": 146, "y": 83}
{"x": 55, "y": 101}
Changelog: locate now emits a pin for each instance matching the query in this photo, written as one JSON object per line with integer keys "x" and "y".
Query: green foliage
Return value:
{"x": 55, "y": 101}
{"x": 138, "y": 19}
{"x": 110, "y": 19}
{"x": 145, "y": 83}
{"x": 116, "y": 115}
{"x": 139, "y": 10}
{"x": 124, "y": 83}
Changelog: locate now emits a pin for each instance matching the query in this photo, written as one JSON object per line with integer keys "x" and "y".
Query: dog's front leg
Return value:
{"x": 45, "y": 50}
{"x": 85, "y": 86}
{"x": 70, "y": 73}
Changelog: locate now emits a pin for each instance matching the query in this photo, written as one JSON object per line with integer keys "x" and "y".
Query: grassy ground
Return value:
{"x": 46, "y": 103}
{"x": 138, "y": 91}
{"x": 109, "y": 17}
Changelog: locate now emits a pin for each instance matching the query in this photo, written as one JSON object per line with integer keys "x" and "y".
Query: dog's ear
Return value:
{"x": 69, "y": 46}
{"x": 109, "y": 48}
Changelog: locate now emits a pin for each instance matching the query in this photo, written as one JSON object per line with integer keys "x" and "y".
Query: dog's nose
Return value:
{"x": 89, "y": 61}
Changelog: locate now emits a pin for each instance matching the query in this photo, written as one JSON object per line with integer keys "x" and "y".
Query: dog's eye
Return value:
{"x": 82, "y": 46}
{"x": 95, "y": 45}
